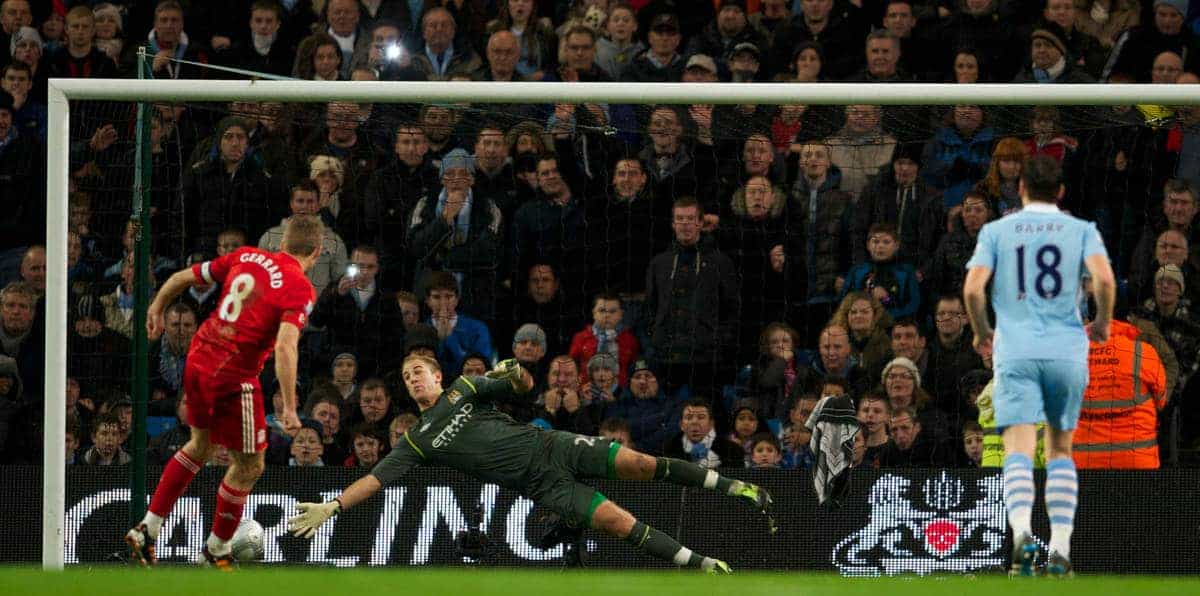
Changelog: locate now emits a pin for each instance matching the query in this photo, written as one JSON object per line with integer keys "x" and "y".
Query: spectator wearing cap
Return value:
{"x": 1050, "y": 60}
{"x": 838, "y": 30}
{"x": 459, "y": 232}
{"x": 900, "y": 196}
{"x": 661, "y": 63}
{"x": 606, "y": 335}
{"x": 744, "y": 63}
{"x": 619, "y": 45}
{"x": 700, "y": 68}
{"x": 721, "y": 37}
{"x": 94, "y": 350}
{"x": 1134, "y": 51}
{"x": 691, "y": 17}
{"x": 652, "y": 414}
{"x": 229, "y": 188}
{"x": 1170, "y": 310}
{"x": 23, "y": 175}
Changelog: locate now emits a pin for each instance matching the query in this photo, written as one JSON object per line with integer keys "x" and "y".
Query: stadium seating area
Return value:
{"x": 688, "y": 279}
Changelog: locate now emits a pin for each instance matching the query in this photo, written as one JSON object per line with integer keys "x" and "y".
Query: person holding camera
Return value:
{"x": 359, "y": 319}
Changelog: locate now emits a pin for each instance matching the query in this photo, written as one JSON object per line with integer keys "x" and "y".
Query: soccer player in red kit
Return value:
{"x": 265, "y": 301}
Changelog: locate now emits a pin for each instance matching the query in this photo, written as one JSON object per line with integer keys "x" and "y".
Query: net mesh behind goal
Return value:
{"x": 790, "y": 195}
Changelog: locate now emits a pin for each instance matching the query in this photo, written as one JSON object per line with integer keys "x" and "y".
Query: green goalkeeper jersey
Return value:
{"x": 465, "y": 431}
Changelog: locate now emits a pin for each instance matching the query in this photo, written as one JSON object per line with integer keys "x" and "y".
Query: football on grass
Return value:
{"x": 247, "y": 543}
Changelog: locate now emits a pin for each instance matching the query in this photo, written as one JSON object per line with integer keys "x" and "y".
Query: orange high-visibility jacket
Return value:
{"x": 1118, "y": 426}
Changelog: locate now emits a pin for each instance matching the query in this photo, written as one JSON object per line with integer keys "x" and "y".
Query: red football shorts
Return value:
{"x": 232, "y": 411}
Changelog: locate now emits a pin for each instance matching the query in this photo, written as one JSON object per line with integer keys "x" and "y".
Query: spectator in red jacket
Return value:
{"x": 605, "y": 334}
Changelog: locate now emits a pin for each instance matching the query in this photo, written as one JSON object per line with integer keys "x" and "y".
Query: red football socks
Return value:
{"x": 230, "y": 502}
{"x": 175, "y": 479}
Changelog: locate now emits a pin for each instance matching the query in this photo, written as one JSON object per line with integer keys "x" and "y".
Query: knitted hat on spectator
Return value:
{"x": 904, "y": 363}
{"x": 458, "y": 159}
{"x": 603, "y": 360}
{"x": 88, "y": 307}
{"x": 313, "y": 425}
{"x": 663, "y": 21}
{"x": 530, "y": 332}
{"x": 27, "y": 34}
{"x": 639, "y": 365}
{"x": 910, "y": 150}
{"x": 108, "y": 11}
{"x": 701, "y": 61}
{"x": 1171, "y": 272}
{"x": 746, "y": 46}
{"x": 420, "y": 336}
{"x": 1180, "y": 5}
{"x": 1053, "y": 34}
{"x": 345, "y": 356}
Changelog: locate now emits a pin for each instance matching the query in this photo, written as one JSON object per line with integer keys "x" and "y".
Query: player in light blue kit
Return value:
{"x": 1035, "y": 259}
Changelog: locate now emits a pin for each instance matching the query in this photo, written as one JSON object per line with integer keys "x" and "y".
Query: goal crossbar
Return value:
{"x": 63, "y": 91}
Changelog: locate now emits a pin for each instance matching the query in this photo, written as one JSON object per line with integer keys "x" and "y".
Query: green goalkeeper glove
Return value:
{"x": 311, "y": 516}
{"x": 506, "y": 370}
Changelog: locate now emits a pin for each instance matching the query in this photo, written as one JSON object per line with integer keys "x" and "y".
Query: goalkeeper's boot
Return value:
{"x": 761, "y": 499}
{"x": 1059, "y": 566}
{"x": 224, "y": 562}
{"x": 141, "y": 546}
{"x": 1024, "y": 556}
{"x": 719, "y": 568}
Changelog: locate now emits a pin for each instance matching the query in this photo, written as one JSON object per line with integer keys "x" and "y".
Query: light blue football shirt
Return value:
{"x": 1037, "y": 260}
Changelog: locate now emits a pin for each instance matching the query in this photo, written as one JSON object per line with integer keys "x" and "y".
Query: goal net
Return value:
{"x": 705, "y": 234}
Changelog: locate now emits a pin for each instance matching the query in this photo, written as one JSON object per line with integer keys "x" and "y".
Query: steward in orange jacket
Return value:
{"x": 1118, "y": 426}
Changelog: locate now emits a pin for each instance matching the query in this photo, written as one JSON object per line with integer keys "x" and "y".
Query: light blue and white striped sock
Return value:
{"x": 1062, "y": 494}
{"x": 1018, "y": 493}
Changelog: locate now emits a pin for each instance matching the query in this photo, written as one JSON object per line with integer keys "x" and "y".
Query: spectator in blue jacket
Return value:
{"x": 959, "y": 154}
{"x": 893, "y": 283}
{"x": 458, "y": 334}
{"x": 653, "y": 416}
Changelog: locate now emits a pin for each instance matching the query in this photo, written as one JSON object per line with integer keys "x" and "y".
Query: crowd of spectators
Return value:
{"x": 689, "y": 280}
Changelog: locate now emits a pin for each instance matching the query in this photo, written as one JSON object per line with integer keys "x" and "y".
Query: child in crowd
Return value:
{"x": 972, "y": 436}
{"x": 893, "y": 283}
{"x": 765, "y": 451}
{"x": 795, "y": 436}
{"x": 400, "y": 425}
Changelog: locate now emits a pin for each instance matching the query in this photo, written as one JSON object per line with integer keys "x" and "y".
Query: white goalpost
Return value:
{"x": 63, "y": 91}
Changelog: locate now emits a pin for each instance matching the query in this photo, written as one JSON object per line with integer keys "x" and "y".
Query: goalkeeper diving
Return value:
{"x": 461, "y": 428}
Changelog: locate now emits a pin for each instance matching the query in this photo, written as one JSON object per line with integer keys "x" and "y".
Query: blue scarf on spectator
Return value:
{"x": 606, "y": 341}
{"x": 462, "y": 222}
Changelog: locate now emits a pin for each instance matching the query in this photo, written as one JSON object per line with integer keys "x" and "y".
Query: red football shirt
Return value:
{"x": 259, "y": 291}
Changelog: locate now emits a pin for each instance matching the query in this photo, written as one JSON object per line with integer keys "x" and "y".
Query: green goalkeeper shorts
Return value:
{"x": 553, "y": 478}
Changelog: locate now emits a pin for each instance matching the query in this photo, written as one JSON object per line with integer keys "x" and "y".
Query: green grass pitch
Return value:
{"x": 293, "y": 581}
